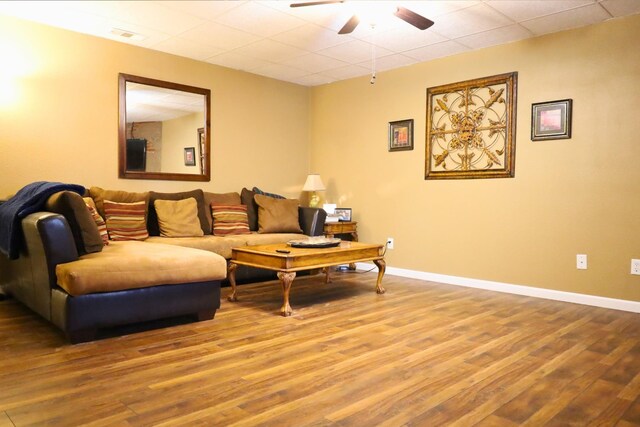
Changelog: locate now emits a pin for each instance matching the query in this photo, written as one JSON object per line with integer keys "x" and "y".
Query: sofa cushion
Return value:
{"x": 131, "y": 265}
{"x": 99, "y": 195}
{"x": 220, "y": 245}
{"x": 277, "y": 215}
{"x": 125, "y": 221}
{"x": 232, "y": 198}
{"x": 247, "y": 197}
{"x": 198, "y": 195}
{"x": 270, "y": 238}
{"x": 178, "y": 218}
{"x": 83, "y": 228}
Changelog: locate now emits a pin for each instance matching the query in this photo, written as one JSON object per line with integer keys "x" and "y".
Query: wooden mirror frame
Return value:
{"x": 122, "y": 128}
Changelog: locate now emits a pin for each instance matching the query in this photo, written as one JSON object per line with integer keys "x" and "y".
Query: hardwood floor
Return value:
{"x": 422, "y": 354}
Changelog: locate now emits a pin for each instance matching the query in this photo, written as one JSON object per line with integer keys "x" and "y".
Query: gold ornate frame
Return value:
{"x": 471, "y": 129}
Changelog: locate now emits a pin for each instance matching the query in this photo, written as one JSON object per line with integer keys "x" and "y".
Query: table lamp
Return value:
{"x": 313, "y": 184}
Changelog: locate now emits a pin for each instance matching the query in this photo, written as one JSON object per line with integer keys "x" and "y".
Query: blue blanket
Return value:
{"x": 28, "y": 200}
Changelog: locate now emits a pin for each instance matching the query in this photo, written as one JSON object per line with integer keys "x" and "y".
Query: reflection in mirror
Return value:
{"x": 161, "y": 124}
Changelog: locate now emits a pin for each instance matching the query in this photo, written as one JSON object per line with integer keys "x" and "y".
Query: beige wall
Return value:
{"x": 568, "y": 197}
{"x": 59, "y": 114}
{"x": 178, "y": 134}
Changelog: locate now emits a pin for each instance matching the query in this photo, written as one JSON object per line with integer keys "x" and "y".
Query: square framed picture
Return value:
{"x": 401, "y": 135}
{"x": 344, "y": 214}
{"x": 551, "y": 120}
{"x": 190, "y": 156}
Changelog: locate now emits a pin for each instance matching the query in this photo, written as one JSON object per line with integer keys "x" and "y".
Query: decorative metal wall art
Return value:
{"x": 471, "y": 129}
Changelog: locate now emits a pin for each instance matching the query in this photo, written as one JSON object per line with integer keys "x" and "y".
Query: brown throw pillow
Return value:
{"x": 83, "y": 227}
{"x": 277, "y": 215}
{"x": 219, "y": 199}
{"x": 178, "y": 218}
{"x": 246, "y": 197}
{"x": 198, "y": 195}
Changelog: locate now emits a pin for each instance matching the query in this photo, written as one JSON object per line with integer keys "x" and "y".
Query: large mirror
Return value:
{"x": 164, "y": 130}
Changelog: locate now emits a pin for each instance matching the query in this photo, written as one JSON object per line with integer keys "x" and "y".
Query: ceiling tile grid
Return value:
{"x": 302, "y": 44}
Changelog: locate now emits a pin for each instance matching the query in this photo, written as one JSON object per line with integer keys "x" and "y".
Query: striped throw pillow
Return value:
{"x": 126, "y": 221}
{"x": 102, "y": 226}
{"x": 229, "y": 220}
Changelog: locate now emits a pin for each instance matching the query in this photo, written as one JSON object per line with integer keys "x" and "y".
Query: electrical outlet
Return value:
{"x": 581, "y": 262}
{"x": 389, "y": 242}
{"x": 635, "y": 266}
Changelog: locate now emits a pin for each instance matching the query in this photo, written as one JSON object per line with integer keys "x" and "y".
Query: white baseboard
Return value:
{"x": 596, "y": 301}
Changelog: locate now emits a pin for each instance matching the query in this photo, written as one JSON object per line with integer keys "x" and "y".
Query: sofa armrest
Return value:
{"x": 312, "y": 220}
{"x": 47, "y": 242}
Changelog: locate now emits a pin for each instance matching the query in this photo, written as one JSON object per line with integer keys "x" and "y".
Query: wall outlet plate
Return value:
{"x": 581, "y": 262}
{"x": 389, "y": 242}
{"x": 635, "y": 267}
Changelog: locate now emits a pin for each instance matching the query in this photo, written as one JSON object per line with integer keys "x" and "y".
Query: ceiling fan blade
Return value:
{"x": 350, "y": 25}
{"x": 315, "y": 3}
{"x": 413, "y": 18}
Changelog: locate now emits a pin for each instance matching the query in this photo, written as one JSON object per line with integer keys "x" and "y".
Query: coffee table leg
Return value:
{"x": 286, "y": 279}
{"x": 327, "y": 274}
{"x": 231, "y": 269}
{"x": 381, "y": 267}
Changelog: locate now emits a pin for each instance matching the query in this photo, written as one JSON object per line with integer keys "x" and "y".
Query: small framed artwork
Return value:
{"x": 190, "y": 156}
{"x": 344, "y": 214}
{"x": 401, "y": 135}
{"x": 551, "y": 120}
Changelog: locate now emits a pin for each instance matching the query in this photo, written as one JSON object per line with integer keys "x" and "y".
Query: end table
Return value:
{"x": 342, "y": 227}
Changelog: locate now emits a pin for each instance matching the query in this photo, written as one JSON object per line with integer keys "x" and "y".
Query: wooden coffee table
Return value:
{"x": 299, "y": 259}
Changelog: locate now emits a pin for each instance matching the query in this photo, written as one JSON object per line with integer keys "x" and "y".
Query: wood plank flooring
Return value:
{"x": 423, "y": 354}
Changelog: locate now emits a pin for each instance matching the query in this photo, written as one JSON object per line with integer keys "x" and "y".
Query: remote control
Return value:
{"x": 283, "y": 251}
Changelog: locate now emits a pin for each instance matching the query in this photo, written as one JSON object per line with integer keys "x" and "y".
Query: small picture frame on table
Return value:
{"x": 551, "y": 120}
{"x": 190, "y": 156}
{"x": 344, "y": 214}
{"x": 401, "y": 135}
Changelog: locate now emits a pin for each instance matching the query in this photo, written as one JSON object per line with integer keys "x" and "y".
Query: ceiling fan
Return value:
{"x": 405, "y": 14}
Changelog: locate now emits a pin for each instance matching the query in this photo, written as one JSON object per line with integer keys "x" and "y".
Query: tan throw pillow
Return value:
{"x": 125, "y": 221}
{"x": 277, "y": 215}
{"x": 178, "y": 218}
{"x": 229, "y": 220}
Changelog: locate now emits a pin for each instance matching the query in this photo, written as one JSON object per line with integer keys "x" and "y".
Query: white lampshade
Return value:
{"x": 313, "y": 183}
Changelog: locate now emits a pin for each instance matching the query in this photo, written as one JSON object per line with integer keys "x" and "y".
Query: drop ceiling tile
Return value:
{"x": 564, "y": 20}
{"x": 155, "y": 15}
{"x": 495, "y": 37}
{"x": 621, "y": 7}
{"x": 220, "y": 36}
{"x": 314, "y": 63}
{"x": 237, "y": 61}
{"x": 354, "y": 52}
{"x": 255, "y": 18}
{"x": 313, "y": 80}
{"x": 312, "y": 37}
{"x": 434, "y": 51}
{"x": 529, "y": 9}
{"x": 476, "y": 19}
{"x": 270, "y": 50}
{"x": 434, "y": 9}
{"x": 390, "y": 62}
{"x": 279, "y": 71}
{"x": 407, "y": 39}
{"x": 347, "y": 72}
{"x": 204, "y": 9}
{"x": 187, "y": 48}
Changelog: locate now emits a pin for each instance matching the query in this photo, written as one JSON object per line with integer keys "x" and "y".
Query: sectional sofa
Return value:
{"x": 76, "y": 278}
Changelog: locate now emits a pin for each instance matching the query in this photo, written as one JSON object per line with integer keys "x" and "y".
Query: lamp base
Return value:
{"x": 315, "y": 199}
